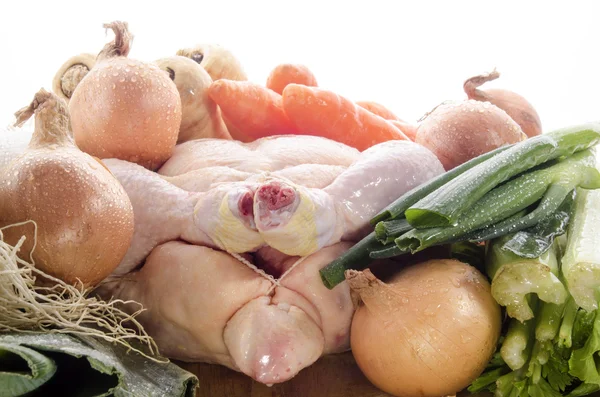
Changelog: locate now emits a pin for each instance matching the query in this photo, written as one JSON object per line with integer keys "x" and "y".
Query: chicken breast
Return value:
{"x": 308, "y": 175}
{"x": 265, "y": 154}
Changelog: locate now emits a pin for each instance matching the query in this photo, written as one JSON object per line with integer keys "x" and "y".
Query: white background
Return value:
{"x": 407, "y": 55}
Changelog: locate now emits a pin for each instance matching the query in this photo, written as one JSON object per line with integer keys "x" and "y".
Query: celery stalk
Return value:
{"x": 581, "y": 262}
{"x": 565, "y": 333}
{"x": 514, "y": 278}
{"x": 518, "y": 343}
{"x": 548, "y": 321}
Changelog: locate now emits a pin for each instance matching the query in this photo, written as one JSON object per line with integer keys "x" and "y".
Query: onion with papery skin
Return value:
{"x": 517, "y": 107}
{"x": 124, "y": 108}
{"x": 200, "y": 115}
{"x": 70, "y": 74}
{"x": 83, "y": 215}
{"x": 457, "y": 132}
{"x": 428, "y": 332}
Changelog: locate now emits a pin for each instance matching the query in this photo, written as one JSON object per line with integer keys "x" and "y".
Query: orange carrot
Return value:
{"x": 288, "y": 73}
{"x": 410, "y": 130}
{"x": 255, "y": 111}
{"x": 315, "y": 111}
{"x": 378, "y": 109}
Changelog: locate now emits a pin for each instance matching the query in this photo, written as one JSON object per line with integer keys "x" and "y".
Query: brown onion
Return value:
{"x": 82, "y": 217}
{"x": 125, "y": 108}
{"x": 456, "y": 132}
{"x": 430, "y": 331}
{"x": 517, "y": 107}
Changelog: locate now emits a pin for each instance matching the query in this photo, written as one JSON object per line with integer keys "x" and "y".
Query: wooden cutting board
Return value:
{"x": 331, "y": 376}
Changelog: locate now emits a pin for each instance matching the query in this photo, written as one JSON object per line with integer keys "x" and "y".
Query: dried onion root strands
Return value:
{"x": 517, "y": 107}
{"x": 62, "y": 308}
{"x": 70, "y": 74}
{"x": 125, "y": 108}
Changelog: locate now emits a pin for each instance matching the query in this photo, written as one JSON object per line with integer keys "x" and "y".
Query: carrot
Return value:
{"x": 410, "y": 130}
{"x": 288, "y": 73}
{"x": 378, "y": 109}
{"x": 316, "y": 111}
{"x": 255, "y": 111}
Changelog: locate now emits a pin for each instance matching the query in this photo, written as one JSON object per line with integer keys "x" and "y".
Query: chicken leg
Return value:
{"x": 219, "y": 218}
{"x": 299, "y": 221}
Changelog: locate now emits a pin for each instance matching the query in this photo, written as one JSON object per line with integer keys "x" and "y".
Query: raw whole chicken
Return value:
{"x": 229, "y": 239}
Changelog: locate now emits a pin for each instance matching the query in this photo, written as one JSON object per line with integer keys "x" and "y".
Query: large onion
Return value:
{"x": 125, "y": 108}
{"x": 430, "y": 331}
{"x": 515, "y": 105}
{"x": 457, "y": 132}
{"x": 82, "y": 217}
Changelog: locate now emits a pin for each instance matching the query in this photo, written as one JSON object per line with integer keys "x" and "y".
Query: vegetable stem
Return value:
{"x": 388, "y": 252}
{"x": 487, "y": 379}
{"x": 508, "y": 199}
{"x": 356, "y": 258}
{"x": 51, "y": 120}
{"x": 565, "y": 333}
{"x": 445, "y": 205}
{"x": 584, "y": 389}
{"x": 581, "y": 262}
{"x": 515, "y": 278}
{"x": 496, "y": 206}
{"x": 535, "y": 366}
{"x": 548, "y": 321}
{"x": 397, "y": 208}
{"x": 121, "y": 45}
{"x": 518, "y": 344}
{"x": 536, "y": 240}
{"x": 552, "y": 200}
{"x": 388, "y": 231}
